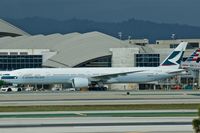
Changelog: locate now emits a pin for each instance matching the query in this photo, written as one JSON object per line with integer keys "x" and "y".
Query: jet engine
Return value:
{"x": 80, "y": 82}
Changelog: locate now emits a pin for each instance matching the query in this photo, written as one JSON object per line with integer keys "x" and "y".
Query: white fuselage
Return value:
{"x": 65, "y": 75}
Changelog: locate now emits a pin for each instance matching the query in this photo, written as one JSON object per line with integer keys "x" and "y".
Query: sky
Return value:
{"x": 164, "y": 11}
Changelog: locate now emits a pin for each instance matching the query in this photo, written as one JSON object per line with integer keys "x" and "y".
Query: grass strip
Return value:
{"x": 96, "y": 107}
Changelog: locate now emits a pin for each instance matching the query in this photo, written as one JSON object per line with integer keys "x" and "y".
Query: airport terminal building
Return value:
{"x": 19, "y": 49}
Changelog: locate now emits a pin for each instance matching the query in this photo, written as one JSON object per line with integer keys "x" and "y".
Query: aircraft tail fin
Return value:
{"x": 192, "y": 61}
{"x": 174, "y": 59}
{"x": 194, "y": 56}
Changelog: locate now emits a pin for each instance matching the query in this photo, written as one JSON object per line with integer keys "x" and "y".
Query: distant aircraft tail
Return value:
{"x": 192, "y": 61}
{"x": 174, "y": 59}
{"x": 194, "y": 57}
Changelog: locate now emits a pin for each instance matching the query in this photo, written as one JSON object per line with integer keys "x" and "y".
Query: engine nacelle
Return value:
{"x": 80, "y": 82}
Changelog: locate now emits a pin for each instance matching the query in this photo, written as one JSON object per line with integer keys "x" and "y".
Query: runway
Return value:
{"x": 119, "y": 121}
{"x": 97, "y": 124}
{"x": 98, "y": 98}
{"x": 99, "y": 102}
{"x": 105, "y": 113}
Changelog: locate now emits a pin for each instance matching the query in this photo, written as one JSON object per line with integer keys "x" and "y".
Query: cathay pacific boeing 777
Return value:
{"x": 83, "y": 77}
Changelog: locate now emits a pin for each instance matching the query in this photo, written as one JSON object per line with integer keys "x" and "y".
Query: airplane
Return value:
{"x": 192, "y": 62}
{"x": 84, "y": 77}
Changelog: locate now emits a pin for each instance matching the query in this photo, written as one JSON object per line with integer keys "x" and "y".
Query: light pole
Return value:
{"x": 129, "y": 39}
{"x": 173, "y": 36}
{"x": 120, "y": 35}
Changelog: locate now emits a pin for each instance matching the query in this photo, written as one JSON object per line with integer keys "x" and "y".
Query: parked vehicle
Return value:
{"x": 10, "y": 88}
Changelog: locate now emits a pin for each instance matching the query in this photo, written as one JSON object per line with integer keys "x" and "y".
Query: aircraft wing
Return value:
{"x": 114, "y": 75}
{"x": 176, "y": 72}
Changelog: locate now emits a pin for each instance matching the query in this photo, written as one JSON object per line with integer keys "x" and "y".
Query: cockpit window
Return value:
{"x": 9, "y": 77}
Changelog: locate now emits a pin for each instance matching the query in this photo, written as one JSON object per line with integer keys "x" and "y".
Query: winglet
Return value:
{"x": 174, "y": 59}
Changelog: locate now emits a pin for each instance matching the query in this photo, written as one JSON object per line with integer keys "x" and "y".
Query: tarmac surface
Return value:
{"x": 138, "y": 121}
{"x": 97, "y": 124}
{"x": 98, "y": 98}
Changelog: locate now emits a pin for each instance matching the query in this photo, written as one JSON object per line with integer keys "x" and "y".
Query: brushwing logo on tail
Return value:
{"x": 174, "y": 58}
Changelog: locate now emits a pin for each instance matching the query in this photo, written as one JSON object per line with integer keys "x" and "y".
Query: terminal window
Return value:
{"x": 3, "y": 53}
{"x": 12, "y": 62}
{"x": 192, "y": 45}
{"x": 173, "y": 45}
{"x": 147, "y": 60}
{"x": 23, "y": 53}
{"x": 13, "y": 53}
